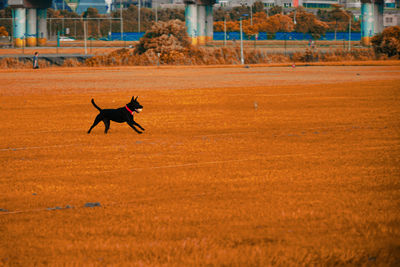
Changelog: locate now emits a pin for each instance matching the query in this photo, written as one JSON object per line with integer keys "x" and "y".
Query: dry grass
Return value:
{"x": 196, "y": 56}
{"x": 225, "y": 56}
{"x": 307, "y": 176}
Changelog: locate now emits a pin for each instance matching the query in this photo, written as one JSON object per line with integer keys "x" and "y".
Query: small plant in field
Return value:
{"x": 308, "y": 55}
{"x": 71, "y": 63}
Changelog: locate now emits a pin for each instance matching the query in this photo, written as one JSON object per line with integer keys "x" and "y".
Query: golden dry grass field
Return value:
{"x": 238, "y": 166}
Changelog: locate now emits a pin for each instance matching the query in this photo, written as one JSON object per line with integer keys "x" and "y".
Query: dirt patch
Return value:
{"x": 307, "y": 176}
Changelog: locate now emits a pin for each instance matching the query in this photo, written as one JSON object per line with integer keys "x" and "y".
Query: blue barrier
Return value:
{"x": 330, "y": 36}
{"x": 127, "y": 36}
{"x": 219, "y": 36}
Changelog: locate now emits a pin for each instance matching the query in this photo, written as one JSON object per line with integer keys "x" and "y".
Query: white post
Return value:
{"x": 109, "y": 33}
{"x": 224, "y": 31}
{"x": 350, "y": 33}
{"x": 84, "y": 35}
{"x": 241, "y": 43}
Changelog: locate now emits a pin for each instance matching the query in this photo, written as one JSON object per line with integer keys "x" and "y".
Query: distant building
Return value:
{"x": 391, "y": 19}
{"x": 116, "y": 4}
{"x": 353, "y": 4}
{"x": 170, "y": 4}
{"x": 80, "y": 6}
{"x": 320, "y": 3}
{"x": 283, "y": 3}
{"x": 100, "y": 5}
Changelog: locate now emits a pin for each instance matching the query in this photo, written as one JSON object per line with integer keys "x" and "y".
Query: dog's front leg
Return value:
{"x": 138, "y": 125}
{"x": 133, "y": 127}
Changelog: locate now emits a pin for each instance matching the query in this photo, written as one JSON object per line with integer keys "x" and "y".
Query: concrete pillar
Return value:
{"x": 42, "y": 26}
{"x": 201, "y": 24}
{"x": 378, "y": 16}
{"x": 31, "y": 21}
{"x": 367, "y": 23}
{"x": 191, "y": 21}
{"x": 19, "y": 27}
{"x": 209, "y": 23}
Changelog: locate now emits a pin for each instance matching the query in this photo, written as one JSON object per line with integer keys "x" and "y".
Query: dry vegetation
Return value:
{"x": 237, "y": 167}
{"x": 167, "y": 43}
{"x": 228, "y": 56}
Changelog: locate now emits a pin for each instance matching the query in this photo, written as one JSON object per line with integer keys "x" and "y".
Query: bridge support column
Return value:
{"x": 42, "y": 26}
{"x": 372, "y": 20}
{"x": 378, "y": 16}
{"x": 19, "y": 27}
{"x": 31, "y": 25}
{"x": 209, "y": 23}
{"x": 201, "y": 24}
{"x": 191, "y": 21}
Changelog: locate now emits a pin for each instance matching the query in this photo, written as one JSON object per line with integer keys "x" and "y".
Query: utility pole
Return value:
{"x": 156, "y": 11}
{"x": 63, "y": 8}
{"x": 139, "y": 16}
{"x": 241, "y": 43}
{"x": 84, "y": 34}
{"x": 122, "y": 22}
{"x": 251, "y": 13}
{"x": 12, "y": 28}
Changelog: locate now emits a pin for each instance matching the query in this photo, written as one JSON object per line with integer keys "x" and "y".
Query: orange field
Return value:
{"x": 253, "y": 166}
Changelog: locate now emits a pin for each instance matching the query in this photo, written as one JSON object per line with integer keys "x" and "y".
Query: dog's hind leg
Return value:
{"x": 106, "y": 124}
{"x": 98, "y": 119}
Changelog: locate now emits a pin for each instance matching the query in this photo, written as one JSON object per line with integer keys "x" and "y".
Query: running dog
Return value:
{"x": 124, "y": 114}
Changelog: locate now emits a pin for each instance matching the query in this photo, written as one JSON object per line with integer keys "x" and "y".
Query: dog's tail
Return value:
{"x": 94, "y": 104}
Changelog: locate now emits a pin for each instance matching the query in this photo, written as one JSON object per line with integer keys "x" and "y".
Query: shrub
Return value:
{"x": 169, "y": 40}
{"x": 3, "y": 31}
{"x": 387, "y": 42}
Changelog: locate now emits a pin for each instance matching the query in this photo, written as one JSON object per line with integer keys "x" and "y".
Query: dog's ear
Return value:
{"x": 136, "y": 98}
{"x": 133, "y": 99}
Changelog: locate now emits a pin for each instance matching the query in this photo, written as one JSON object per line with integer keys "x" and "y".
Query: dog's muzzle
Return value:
{"x": 138, "y": 110}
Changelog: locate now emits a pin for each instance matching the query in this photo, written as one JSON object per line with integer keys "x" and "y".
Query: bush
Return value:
{"x": 3, "y": 31}
{"x": 168, "y": 40}
{"x": 387, "y": 42}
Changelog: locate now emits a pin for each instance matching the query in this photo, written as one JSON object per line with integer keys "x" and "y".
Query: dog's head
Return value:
{"x": 135, "y": 105}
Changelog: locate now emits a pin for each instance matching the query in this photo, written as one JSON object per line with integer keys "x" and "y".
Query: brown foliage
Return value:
{"x": 388, "y": 42}
{"x": 14, "y": 63}
{"x": 71, "y": 63}
{"x": 225, "y": 56}
{"x": 261, "y": 23}
{"x": 3, "y": 31}
{"x": 231, "y": 26}
{"x": 343, "y": 55}
{"x": 308, "y": 23}
{"x": 166, "y": 42}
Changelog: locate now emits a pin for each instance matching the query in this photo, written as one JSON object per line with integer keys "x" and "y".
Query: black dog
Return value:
{"x": 124, "y": 114}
